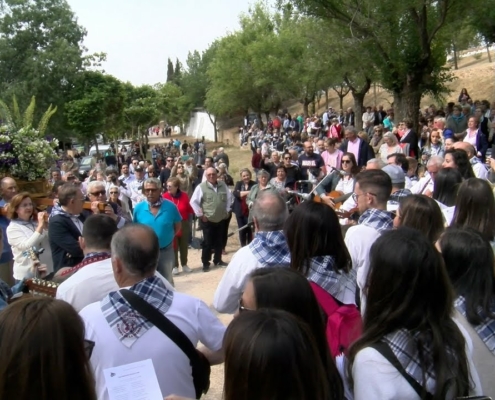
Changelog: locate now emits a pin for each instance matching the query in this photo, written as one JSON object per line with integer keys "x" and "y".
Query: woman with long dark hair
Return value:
{"x": 41, "y": 365}
{"x": 272, "y": 355}
{"x": 475, "y": 208}
{"x": 469, "y": 260}
{"x": 288, "y": 290}
{"x": 457, "y": 158}
{"x": 318, "y": 252}
{"x": 410, "y": 345}
{"x": 447, "y": 182}
{"x": 422, "y": 213}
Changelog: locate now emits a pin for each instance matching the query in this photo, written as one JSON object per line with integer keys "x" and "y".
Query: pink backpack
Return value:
{"x": 344, "y": 324}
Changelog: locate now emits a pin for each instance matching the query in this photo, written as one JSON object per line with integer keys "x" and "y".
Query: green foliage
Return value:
{"x": 96, "y": 106}
{"x": 40, "y": 53}
{"x": 170, "y": 71}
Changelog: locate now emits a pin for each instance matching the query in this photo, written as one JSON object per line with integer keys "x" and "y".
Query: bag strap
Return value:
{"x": 387, "y": 352}
{"x": 163, "y": 324}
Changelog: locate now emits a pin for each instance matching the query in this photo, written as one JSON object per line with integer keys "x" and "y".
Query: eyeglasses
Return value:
{"x": 346, "y": 161}
{"x": 99, "y": 193}
{"x": 150, "y": 190}
{"x": 356, "y": 196}
{"x": 89, "y": 345}
{"x": 114, "y": 192}
{"x": 242, "y": 308}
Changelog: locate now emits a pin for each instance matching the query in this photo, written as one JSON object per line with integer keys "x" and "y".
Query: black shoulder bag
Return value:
{"x": 200, "y": 366}
{"x": 385, "y": 350}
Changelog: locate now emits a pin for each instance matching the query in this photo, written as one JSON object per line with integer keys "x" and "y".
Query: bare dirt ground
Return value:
{"x": 203, "y": 284}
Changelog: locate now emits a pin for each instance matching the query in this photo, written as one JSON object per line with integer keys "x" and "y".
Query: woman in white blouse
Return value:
{"x": 390, "y": 146}
{"x": 27, "y": 230}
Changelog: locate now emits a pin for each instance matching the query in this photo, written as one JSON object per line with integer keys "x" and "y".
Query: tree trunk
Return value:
{"x": 327, "y": 102}
{"x": 313, "y": 106}
{"x": 96, "y": 145}
{"x": 258, "y": 115}
{"x": 407, "y": 104}
{"x": 358, "y": 109}
{"x": 213, "y": 121}
{"x": 267, "y": 116}
{"x": 306, "y": 107}
{"x": 341, "y": 101}
{"x": 358, "y": 96}
{"x": 488, "y": 52}
{"x": 454, "y": 48}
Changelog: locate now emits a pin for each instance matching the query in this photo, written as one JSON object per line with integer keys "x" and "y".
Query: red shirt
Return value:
{"x": 182, "y": 203}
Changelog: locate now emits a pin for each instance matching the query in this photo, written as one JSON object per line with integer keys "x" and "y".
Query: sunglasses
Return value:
{"x": 286, "y": 158}
{"x": 170, "y": 160}
{"x": 99, "y": 193}
{"x": 71, "y": 178}
{"x": 346, "y": 161}
{"x": 149, "y": 190}
{"x": 114, "y": 192}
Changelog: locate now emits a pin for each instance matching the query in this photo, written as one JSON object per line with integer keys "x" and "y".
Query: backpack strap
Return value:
{"x": 385, "y": 350}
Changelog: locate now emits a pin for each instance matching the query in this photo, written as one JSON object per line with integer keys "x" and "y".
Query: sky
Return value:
{"x": 140, "y": 35}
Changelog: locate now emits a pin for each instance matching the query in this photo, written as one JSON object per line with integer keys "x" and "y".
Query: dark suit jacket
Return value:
{"x": 63, "y": 236}
{"x": 366, "y": 152}
{"x": 412, "y": 140}
{"x": 481, "y": 143}
{"x": 236, "y": 207}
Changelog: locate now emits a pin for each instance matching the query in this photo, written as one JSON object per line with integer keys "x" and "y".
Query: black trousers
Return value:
{"x": 246, "y": 235}
{"x": 226, "y": 224}
{"x": 213, "y": 234}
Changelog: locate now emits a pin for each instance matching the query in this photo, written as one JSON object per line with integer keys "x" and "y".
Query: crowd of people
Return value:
{"x": 386, "y": 291}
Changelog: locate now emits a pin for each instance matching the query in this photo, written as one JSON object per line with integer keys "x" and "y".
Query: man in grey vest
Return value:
{"x": 211, "y": 202}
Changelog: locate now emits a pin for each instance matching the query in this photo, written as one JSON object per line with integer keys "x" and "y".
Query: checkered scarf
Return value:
{"x": 475, "y": 160}
{"x": 404, "y": 344}
{"x": 486, "y": 329}
{"x": 340, "y": 285}
{"x": 377, "y": 219}
{"x": 399, "y": 195}
{"x": 158, "y": 203}
{"x": 271, "y": 249}
{"x": 128, "y": 325}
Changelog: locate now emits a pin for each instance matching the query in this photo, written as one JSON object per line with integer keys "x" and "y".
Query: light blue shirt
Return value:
{"x": 162, "y": 223}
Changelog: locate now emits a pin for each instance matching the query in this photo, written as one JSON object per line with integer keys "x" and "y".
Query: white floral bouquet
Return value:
{"x": 25, "y": 152}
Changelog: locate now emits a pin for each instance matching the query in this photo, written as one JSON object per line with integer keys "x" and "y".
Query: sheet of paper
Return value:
{"x": 136, "y": 381}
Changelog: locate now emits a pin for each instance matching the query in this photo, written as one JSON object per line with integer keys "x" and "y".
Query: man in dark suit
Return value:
{"x": 360, "y": 148}
{"x": 65, "y": 227}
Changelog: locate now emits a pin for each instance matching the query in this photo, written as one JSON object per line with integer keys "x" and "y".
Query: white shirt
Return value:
{"x": 480, "y": 171}
{"x": 376, "y": 379}
{"x": 423, "y": 185}
{"x": 198, "y": 195}
{"x": 189, "y": 314}
{"x": 359, "y": 240}
{"x": 234, "y": 279}
{"x": 21, "y": 238}
{"x": 345, "y": 185}
{"x": 81, "y": 289}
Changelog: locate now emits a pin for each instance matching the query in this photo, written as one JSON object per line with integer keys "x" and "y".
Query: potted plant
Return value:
{"x": 26, "y": 154}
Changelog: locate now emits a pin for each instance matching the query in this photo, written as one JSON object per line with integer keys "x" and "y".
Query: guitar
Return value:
{"x": 337, "y": 197}
{"x": 43, "y": 202}
{"x": 37, "y": 286}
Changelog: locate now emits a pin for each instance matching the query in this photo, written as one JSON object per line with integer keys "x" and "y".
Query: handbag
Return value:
{"x": 201, "y": 369}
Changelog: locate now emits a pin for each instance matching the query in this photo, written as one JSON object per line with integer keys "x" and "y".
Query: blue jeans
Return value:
{"x": 166, "y": 263}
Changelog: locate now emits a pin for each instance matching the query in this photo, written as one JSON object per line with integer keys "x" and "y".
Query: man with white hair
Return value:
{"x": 268, "y": 249}
{"x": 124, "y": 335}
{"x": 212, "y": 202}
{"x": 426, "y": 184}
{"x": 479, "y": 169}
{"x": 222, "y": 156}
{"x": 96, "y": 194}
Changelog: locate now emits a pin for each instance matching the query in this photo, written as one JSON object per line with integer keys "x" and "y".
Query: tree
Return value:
{"x": 141, "y": 110}
{"x": 194, "y": 82}
{"x": 174, "y": 105}
{"x": 402, "y": 39}
{"x": 245, "y": 73}
{"x": 170, "y": 71}
{"x": 484, "y": 24}
{"x": 342, "y": 90}
{"x": 40, "y": 54}
{"x": 177, "y": 72}
{"x": 97, "y": 105}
